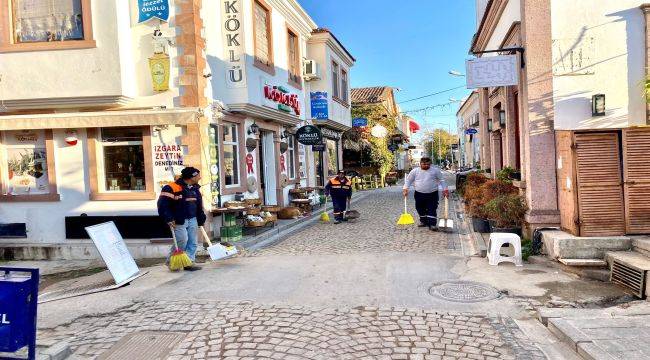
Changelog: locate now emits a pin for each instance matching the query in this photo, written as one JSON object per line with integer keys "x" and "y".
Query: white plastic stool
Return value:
{"x": 494, "y": 248}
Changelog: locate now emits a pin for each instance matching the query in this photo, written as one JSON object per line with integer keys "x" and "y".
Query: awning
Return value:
{"x": 78, "y": 120}
{"x": 415, "y": 127}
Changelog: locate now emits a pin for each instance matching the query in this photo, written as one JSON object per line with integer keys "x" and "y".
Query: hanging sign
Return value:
{"x": 159, "y": 67}
{"x": 149, "y": 9}
{"x": 278, "y": 97}
{"x": 249, "y": 164}
{"x": 471, "y": 131}
{"x": 329, "y": 133}
{"x": 318, "y": 147}
{"x": 319, "y": 105}
{"x": 359, "y": 122}
{"x": 233, "y": 43}
{"x": 309, "y": 135}
{"x": 492, "y": 71}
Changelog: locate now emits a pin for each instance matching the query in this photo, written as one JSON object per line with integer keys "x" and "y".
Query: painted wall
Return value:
{"x": 511, "y": 14}
{"x": 598, "y": 50}
{"x": 117, "y": 66}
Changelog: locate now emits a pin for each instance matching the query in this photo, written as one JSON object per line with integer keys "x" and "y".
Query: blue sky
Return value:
{"x": 409, "y": 44}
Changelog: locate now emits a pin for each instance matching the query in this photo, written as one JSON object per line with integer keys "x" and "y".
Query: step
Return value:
{"x": 584, "y": 262}
{"x": 630, "y": 258}
{"x": 641, "y": 245}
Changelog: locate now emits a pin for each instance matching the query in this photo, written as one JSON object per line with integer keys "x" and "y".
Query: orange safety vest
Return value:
{"x": 177, "y": 191}
{"x": 336, "y": 184}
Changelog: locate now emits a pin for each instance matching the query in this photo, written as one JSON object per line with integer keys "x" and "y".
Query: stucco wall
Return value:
{"x": 609, "y": 38}
{"x": 511, "y": 14}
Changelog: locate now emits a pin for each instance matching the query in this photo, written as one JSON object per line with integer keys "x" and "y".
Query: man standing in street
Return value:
{"x": 181, "y": 206}
{"x": 340, "y": 188}
{"x": 426, "y": 180}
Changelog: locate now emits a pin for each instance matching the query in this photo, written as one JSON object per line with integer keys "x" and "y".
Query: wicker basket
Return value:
{"x": 272, "y": 218}
{"x": 250, "y": 223}
{"x": 234, "y": 204}
{"x": 271, "y": 208}
{"x": 253, "y": 202}
{"x": 253, "y": 211}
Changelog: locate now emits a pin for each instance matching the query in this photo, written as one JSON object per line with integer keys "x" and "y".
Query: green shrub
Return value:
{"x": 508, "y": 210}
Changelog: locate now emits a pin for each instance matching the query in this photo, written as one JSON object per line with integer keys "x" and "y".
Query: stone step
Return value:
{"x": 591, "y": 273}
{"x": 641, "y": 245}
{"x": 584, "y": 262}
{"x": 630, "y": 258}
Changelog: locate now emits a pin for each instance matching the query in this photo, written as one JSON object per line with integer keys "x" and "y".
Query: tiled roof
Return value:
{"x": 369, "y": 94}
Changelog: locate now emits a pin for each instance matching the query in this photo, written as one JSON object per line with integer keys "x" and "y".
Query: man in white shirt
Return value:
{"x": 426, "y": 180}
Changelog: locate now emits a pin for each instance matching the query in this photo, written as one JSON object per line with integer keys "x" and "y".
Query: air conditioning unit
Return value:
{"x": 311, "y": 70}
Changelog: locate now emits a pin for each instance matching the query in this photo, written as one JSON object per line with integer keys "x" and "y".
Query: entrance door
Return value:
{"x": 636, "y": 167}
{"x": 267, "y": 165}
{"x": 318, "y": 167}
{"x": 600, "y": 192}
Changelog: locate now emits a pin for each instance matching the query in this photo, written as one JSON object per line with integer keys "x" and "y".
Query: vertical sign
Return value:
{"x": 215, "y": 187}
{"x": 149, "y": 9}
{"x": 319, "y": 105}
{"x": 232, "y": 19}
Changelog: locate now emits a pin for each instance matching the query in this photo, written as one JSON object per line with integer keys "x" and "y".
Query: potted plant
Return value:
{"x": 506, "y": 213}
{"x": 473, "y": 197}
{"x": 509, "y": 174}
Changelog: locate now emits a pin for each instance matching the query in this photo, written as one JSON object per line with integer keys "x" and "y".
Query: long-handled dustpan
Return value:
{"x": 446, "y": 223}
{"x": 405, "y": 218}
{"x": 218, "y": 251}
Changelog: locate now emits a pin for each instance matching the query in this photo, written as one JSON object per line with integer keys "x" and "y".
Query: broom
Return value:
{"x": 405, "y": 218}
{"x": 179, "y": 259}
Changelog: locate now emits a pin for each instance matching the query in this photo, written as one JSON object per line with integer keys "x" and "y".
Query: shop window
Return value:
{"x": 45, "y": 25}
{"x": 332, "y": 157}
{"x": 291, "y": 154}
{"x": 294, "y": 58}
{"x": 120, "y": 164}
{"x": 335, "y": 80}
{"x": 231, "y": 155}
{"x": 28, "y": 166}
{"x": 262, "y": 36}
{"x": 344, "y": 86}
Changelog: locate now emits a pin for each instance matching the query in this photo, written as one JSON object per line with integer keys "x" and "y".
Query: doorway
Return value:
{"x": 318, "y": 167}
{"x": 268, "y": 180}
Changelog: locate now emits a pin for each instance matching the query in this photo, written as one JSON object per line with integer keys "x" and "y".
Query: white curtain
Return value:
{"x": 48, "y": 20}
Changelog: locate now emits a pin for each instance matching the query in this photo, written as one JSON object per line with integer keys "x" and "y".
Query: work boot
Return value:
{"x": 337, "y": 221}
{"x": 192, "y": 268}
{"x": 433, "y": 228}
{"x": 422, "y": 225}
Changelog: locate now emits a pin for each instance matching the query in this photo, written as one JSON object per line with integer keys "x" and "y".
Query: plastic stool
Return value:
{"x": 494, "y": 248}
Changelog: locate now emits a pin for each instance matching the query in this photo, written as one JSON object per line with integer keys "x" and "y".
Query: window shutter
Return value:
{"x": 636, "y": 160}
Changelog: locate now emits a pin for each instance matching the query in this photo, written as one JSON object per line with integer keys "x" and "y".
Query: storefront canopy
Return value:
{"x": 99, "y": 119}
{"x": 415, "y": 127}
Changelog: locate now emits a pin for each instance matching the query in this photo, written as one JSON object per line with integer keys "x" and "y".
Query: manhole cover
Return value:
{"x": 143, "y": 345}
{"x": 463, "y": 291}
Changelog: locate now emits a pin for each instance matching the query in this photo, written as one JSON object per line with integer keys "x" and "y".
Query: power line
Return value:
{"x": 425, "y": 109}
{"x": 437, "y": 93}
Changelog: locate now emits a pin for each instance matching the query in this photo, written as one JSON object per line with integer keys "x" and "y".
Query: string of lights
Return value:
{"x": 424, "y": 110}
{"x": 434, "y": 94}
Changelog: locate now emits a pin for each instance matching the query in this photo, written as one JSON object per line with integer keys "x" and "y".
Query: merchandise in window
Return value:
{"x": 291, "y": 153}
{"x": 123, "y": 158}
{"x": 231, "y": 155}
{"x": 47, "y": 20}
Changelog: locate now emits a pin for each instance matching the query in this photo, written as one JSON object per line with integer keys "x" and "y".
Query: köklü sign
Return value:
{"x": 285, "y": 101}
{"x": 309, "y": 135}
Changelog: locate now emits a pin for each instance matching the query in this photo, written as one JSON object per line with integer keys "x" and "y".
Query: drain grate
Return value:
{"x": 463, "y": 291}
{"x": 143, "y": 345}
{"x": 629, "y": 277}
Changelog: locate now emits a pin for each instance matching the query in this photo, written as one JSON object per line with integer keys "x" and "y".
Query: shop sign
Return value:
{"x": 471, "y": 131}
{"x": 26, "y": 136}
{"x": 215, "y": 185}
{"x": 492, "y": 71}
{"x": 232, "y": 20}
{"x": 359, "y": 122}
{"x": 318, "y": 147}
{"x": 319, "y": 105}
{"x": 309, "y": 135}
{"x": 328, "y": 133}
{"x": 159, "y": 67}
{"x": 168, "y": 157}
{"x": 280, "y": 98}
{"x": 150, "y": 9}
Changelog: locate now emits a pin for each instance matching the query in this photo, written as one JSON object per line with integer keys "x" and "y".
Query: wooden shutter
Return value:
{"x": 600, "y": 190}
{"x": 636, "y": 169}
{"x": 566, "y": 182}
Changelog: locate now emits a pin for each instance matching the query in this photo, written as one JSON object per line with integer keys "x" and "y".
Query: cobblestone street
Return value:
{"x": 217, "y": 328}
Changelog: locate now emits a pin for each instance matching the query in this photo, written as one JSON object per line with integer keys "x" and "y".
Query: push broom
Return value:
{"x": 179, "y": 259}
{"x": 406, "y": 218}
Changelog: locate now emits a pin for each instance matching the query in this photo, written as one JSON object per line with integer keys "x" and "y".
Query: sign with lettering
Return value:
{"x": 215, "y": 185}
{"x": 279, "y": 98}
{"x": 329, "y": 133}
{"x": 232, "y": 20}
{"x": 492, "y": 71}
{"x": 319, "y": 105}
{"x": 359, "y": 122}
{"x": 309, "y": 135}
{"x": 113, "y": 251}
{"x": 318, "y": 147}
{"x": 18, "y": 303}
{"x": 150, "y": 9}
{"x": 471, "y": 131}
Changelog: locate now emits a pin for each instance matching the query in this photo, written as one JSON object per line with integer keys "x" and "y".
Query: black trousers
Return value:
{"x": 427, "y": 206}
{"x": 339, "y": 203}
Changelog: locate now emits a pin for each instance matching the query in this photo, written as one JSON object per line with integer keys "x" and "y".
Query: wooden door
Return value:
{"x": 600, "y": 190}
{"x": 636, "y": 171}
{"x": 566, "y": 182}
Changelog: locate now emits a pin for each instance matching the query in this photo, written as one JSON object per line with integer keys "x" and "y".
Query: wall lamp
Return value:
{"x": 598, "y": 105}
{"x": 502, "y": 118}
{"x": 253, "y": 129}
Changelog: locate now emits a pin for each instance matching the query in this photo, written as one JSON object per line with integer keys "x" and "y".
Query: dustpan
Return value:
{"x": 217, "y": 251}
{"x": 446, "y": 223}
{"x": 405, "y": 218}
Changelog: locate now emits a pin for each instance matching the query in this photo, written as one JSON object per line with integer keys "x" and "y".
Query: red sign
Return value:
{"x": 249, "y": 164}
{"x": 282, "y": 97}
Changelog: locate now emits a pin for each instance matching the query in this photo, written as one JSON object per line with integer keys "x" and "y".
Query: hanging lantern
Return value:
{"x": 159, "y": 67}
{"x": 379, "y": 131}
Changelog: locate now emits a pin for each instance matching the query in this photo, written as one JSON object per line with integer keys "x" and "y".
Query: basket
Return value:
{"x": 253, "y": 202}
{"x": 253, "y": 211}
{"x": 234, "y": 204}
{"x": 272, "y": 218}
{"x": 271, "y": 208}
{"x": 250, "y": 223}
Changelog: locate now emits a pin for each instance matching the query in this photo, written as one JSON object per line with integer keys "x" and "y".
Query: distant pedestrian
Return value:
{"x": 426, "y": 180}
{"x": 340, "y": 189}
{"x": 181, "y": 207}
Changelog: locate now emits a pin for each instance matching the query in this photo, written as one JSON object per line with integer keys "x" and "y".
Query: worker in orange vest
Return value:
{"x": 340, "y": 189}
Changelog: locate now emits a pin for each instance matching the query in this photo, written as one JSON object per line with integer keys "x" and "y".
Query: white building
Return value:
{"x": 467, "y": 123}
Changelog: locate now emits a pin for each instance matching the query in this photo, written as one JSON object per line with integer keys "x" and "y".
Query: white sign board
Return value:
{"x": 492, "y": 71}
{"x": 113, "y": 250}
{"x": 232, "y": 19}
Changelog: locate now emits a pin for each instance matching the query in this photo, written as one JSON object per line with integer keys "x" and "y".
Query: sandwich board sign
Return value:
{"x": 113, "y": 251}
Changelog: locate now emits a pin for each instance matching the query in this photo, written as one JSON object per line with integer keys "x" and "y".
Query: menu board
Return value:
{"x": 113, "y": 250}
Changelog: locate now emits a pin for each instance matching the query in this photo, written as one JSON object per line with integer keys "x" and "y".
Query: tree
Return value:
{"x": 381, "y": 157}
{"x": 437, "y": 144}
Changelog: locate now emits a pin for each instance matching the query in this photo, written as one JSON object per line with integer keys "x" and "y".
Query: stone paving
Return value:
{"x": 376, "y": 231}
{"x": 243, "y": 330}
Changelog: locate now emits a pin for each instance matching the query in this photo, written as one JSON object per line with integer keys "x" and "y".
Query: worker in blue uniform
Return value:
{"x": 340, "y": 189}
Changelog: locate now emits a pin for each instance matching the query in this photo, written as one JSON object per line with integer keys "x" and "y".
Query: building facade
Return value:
{"x": 469, "y": 138}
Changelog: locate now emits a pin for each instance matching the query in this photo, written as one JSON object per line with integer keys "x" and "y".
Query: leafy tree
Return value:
{"x": 437, "y": 144}
{"x": 380, "y": 156}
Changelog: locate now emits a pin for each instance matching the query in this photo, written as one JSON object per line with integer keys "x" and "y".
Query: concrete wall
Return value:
{"x": 598, "y": 49}
{"x": 511, "y": 14}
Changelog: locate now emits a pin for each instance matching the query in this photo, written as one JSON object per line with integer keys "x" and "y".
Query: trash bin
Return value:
{"x": 18, "y": 299}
